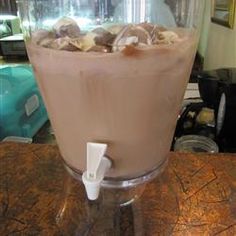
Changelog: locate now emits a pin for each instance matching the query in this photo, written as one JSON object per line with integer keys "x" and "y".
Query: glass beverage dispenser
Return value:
{"x": 112, "y": 74}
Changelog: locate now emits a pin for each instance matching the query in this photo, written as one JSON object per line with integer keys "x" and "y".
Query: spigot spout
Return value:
{"x": 97, "y": 166}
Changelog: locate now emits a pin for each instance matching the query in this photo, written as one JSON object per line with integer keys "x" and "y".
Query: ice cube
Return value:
{"x": 67, "y": 27}
{"x": 131, "y": 35}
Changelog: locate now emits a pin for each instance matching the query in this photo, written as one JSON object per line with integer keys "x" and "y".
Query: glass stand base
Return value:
{"x": 123, "y": 191}
{"x": 127, "y": 211}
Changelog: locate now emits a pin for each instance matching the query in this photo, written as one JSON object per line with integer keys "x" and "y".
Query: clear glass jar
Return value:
{"x": 125, "y": 90}
{"x": 195, "y": 143}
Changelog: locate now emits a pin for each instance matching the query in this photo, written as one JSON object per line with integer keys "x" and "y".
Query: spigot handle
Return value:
{"x": 95, "y": 152}
{"x": 97, "y": 166}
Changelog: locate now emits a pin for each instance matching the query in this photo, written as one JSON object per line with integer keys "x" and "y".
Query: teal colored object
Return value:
{"x": 22, "y": 112}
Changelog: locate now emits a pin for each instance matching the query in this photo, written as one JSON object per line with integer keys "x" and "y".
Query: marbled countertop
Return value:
{"x": 196, "y": 195}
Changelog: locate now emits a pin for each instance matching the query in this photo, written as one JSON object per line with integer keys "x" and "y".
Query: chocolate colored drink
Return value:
{"x": 128, "y": 99}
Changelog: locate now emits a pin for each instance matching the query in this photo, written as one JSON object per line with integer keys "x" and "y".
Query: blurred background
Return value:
{"x": 209, "y": 105}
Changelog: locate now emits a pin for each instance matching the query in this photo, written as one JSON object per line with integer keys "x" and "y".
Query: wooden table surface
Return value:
{"x": 196, "y": 195}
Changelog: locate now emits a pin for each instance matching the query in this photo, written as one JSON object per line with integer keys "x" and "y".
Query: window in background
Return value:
{"x": 8, "y": 7}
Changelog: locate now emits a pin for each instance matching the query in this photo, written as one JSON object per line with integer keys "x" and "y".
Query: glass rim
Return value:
{"x": 122, "y": 182}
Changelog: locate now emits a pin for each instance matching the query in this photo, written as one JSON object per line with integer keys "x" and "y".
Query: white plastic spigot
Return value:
{"x": 97, "y": 166}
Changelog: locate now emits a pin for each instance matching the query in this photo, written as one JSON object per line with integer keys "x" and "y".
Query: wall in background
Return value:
{"x": 205, "y": 30}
